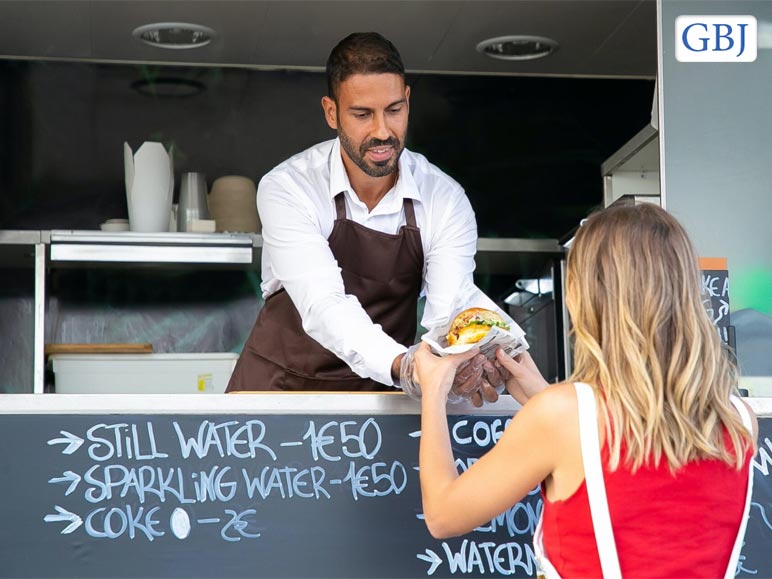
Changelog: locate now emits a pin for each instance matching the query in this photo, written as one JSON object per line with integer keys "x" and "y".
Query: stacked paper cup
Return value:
{"x": 233, "y": 204}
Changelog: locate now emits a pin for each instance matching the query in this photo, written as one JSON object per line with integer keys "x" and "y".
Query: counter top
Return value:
{"x": 248, "y": 403}
{"x": 257, "y": 403}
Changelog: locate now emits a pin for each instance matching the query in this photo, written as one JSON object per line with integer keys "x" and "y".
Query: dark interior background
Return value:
{"x": 528, "y": 150}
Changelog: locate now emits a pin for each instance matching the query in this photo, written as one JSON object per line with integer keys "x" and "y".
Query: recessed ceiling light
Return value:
{"x": 177, "y": 35}
{"x": 517, "y": 47}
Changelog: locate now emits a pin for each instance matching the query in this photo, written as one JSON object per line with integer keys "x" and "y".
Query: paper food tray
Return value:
{"x": 470, "y": 296}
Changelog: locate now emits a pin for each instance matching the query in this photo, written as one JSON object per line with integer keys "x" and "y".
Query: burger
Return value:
{"x": 473, "y": 324}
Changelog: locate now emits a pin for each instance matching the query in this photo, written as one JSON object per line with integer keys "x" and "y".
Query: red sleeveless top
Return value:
{"x": 665, "y": 526}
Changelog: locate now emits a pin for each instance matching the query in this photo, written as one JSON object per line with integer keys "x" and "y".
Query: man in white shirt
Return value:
{"x": 354, "y": 230}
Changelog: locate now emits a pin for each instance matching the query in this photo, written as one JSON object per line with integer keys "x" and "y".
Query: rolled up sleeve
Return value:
{"x": 450, "y": 259}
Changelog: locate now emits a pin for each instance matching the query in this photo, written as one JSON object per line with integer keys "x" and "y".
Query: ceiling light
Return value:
{"x": 178, "y": 35}
{"x": 517, "y": 47}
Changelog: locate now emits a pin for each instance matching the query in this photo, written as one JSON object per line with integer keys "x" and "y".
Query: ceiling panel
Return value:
{"x": 631, "y": 49}
{"x": 303, "y": 33}
{"x": 597, "y": 37}
{"x": 45, "y": 29}
{"x": 580, "y": 28}
{"x": 234, "y": 22}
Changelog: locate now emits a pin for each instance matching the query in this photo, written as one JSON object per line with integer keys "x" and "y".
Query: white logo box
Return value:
{"x": 716, "y": 38}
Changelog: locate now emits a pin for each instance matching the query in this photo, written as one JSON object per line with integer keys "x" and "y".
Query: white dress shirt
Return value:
{"x": 296, "y": 204}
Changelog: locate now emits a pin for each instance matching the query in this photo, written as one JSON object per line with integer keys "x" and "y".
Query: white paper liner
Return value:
{"x": 512, "y": 341}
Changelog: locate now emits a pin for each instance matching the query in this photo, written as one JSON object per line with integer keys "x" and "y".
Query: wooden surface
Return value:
{"x": 98, "y": 349}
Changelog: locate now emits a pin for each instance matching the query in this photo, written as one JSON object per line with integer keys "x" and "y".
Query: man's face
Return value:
{"x": 370, "y": 115}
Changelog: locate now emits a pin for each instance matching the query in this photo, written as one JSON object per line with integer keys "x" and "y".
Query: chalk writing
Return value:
{"x": 226, "y": 439}
{"x": 235, "y": 528}
{"x": 104, "y": 480}
{"x": 715, "y": 291}
{"x": 760, "y": 507}
{"x": 188, "y": 480}
{"x": 520, "y": 519}
{"x": 762, "y": 459}
{"x": 377, "y": 479}
{"x": 486, "y": 557}
{"x": 715, "y": 285}
{"x": 479, "y": 432}
{"x": 354, "y": 444}
{"x": 115, "y": 522}
{"x": 287, "y": 482}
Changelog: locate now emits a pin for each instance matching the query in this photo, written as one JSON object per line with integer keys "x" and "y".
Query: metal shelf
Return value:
{"x": 633, "y": 171}
{"x": 81, "y": 248}
{"x": 515, "y": 256}
{"x": 44, "y": 250}
{"x": 130, "y": 247}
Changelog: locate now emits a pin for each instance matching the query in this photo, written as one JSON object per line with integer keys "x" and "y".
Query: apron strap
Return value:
{"x": 409, "y": 212}
{"x": 340, "y": 209}
{"x": 596, "y": 488}
{"x": 738, "y": 542}
{"x": 340, "y": 206}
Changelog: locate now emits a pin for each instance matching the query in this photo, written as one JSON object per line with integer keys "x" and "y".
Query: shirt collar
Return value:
{"x": 405, "y": 186}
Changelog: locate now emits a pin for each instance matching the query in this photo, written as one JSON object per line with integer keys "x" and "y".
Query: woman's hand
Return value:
{"x": 435, "y": 373}
{"x": 524, "y": 380}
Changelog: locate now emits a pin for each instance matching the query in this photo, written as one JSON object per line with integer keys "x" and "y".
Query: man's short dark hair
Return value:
{"x": 361, "y": 53}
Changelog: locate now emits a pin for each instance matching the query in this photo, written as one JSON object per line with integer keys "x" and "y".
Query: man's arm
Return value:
{"x": 450, "y": 258}
{"x": 301, "y": 259}
{"x": 449, "y": 263}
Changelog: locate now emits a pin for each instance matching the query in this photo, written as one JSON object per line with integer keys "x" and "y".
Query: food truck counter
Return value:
{"x": 259, "y": 485}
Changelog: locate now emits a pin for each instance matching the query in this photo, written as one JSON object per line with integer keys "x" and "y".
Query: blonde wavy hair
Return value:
{"x": 643, "y": 337}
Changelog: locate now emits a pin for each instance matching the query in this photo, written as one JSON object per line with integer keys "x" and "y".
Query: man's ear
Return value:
{"x": 330, "y": 112}
{"x": 407, "y": 96}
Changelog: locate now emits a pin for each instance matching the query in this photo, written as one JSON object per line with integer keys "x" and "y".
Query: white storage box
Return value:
{"x": 142, "y": 373}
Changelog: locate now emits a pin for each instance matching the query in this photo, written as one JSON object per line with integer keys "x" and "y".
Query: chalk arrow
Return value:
{"x": 430, "y": 557}
{"x": 70, "y": 477}
{"x": 73, "y": 442}
{"x": 64, "y": 515}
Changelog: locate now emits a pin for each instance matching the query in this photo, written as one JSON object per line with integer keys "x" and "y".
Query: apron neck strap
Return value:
{"x": 407, "y": 205}
{"x": 340, "y": 206}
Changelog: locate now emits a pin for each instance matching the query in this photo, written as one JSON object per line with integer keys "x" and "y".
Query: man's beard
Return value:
{"x": 357, "y": 154}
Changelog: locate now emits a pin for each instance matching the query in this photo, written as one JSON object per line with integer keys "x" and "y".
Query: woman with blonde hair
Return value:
{"x": 644, "y": 454}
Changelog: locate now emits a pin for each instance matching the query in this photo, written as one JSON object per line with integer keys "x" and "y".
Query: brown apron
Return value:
{"x": 384, "y": 271}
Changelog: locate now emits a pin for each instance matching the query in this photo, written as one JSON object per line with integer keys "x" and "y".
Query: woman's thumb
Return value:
{"x": 510, "y": 364}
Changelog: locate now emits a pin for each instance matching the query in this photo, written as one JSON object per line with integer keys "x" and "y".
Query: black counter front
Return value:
{"x": 264, "y": 485}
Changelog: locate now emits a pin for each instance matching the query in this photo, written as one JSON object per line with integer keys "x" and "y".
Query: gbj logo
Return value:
{"x": 715, "y": 38}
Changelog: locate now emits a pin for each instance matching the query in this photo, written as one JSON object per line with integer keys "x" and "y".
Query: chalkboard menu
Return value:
{"x": 270, "y": 496}
{"x": 715, "y": 290}
{"x": 756, "y": 556}
{"x": 238, "y": 496}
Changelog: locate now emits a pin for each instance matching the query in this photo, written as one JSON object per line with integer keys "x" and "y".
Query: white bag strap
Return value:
{"x": 544, "y": 567}
{"x": 596, "y": 488}
{"x": 738, "y": 542}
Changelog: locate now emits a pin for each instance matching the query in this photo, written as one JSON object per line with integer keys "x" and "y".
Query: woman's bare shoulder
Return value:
{"x": 556, "y": 404}
{"x": 562, "y": 393}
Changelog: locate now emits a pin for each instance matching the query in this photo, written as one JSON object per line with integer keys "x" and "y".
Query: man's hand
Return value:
{"x": 468, "y": 377}
{"x": 495, "y": 373}
{"x": 480, "y": 386}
